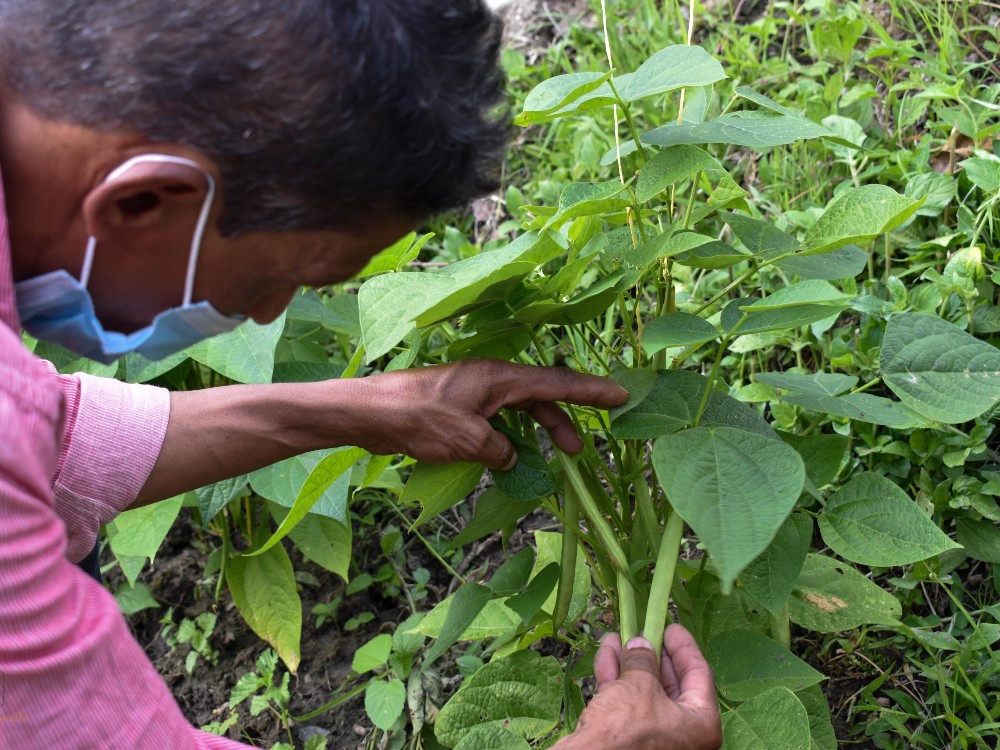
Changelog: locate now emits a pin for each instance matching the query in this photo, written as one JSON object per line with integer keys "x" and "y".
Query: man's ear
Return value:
{"x": 146, "y": 196}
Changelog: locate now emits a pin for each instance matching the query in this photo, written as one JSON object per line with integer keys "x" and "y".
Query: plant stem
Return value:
{"x": 567, "y": 560}
{"x": 626, "y": 609}
{"x": 227, "y": 547}
{"x": 711, "y": 379}
{"x": 781, "y": 629}
{"x": 334, "y": 703}
{"x": 663, "y": 579}
{"x": 427, "y": 545}
{"x": 597, "y": 522}
{"x": 648, "y": 523}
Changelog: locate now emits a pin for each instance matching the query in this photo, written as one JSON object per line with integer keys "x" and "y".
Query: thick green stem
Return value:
{"x": 626, "y": 609}
{"x": 567, "y": 560}
{"x": 663, "y": 579}
{"x": 781, "y": 629}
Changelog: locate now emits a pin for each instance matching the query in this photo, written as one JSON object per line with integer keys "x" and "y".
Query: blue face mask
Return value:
{"x": 56, "y": 307}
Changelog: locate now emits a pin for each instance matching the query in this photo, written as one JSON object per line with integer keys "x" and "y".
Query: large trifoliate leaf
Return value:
{"x": 521, "y": 692}
{"x": 676, "y": 67}
{"x": 820, "y": 383}
{"x": 939, "y": 370}
{"x": 747, "y": 663}
{"x": 761, "y": 238}
{"x": 323, "y": 475}
{"x": 137, "y": 534}
{"x": 677, "y": 329}
{"x": 588, "y": 199}
{"x": 747, "y": 129}
{"x": 862, "y": 407}
{"x": 831, "y": 596}
{"x": 494, "y": 619}
{"x": 981, "y": 539}
{"x": 671, "y": 166}
{"x": 492, "y": 738}
{"x": 282, "y": 482}
{"x": 465, "y": 607}
{"x": 438, "y": 487}
{"x": 872, "y": 521}
{"x": 672, "y": 68}
{"x": 859, "y": 216}
{"x": 393, "y": 304}
{"x": 706, "y": 611}
{"x": 734, "y": 488}
{"x": 771, "y": 577}
{"x": 824, "y": 455}
{"x": 245, "y": 355}
{"x": 792, "y": 307}
{"x": 843, "y": 263}
{"x": 820, "y": 723}
{"x": 668, "y": 401}
{"x": 774, "y": 719}
{"x": 557, "y": 93}
{"x": 266, "y": 594}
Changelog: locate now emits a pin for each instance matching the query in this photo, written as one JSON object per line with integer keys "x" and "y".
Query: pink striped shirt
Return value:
{"x": 74, "y": 451}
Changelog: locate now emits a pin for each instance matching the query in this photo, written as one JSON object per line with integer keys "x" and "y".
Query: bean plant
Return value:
{"x": 596, "y": 280}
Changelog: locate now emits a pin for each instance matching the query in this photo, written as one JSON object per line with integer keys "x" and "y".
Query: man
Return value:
{"x": 169, "y": 168}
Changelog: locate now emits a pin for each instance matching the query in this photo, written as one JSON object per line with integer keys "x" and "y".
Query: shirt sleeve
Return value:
{"x": 111, "y": 436}
{"x": 72, "y": 675}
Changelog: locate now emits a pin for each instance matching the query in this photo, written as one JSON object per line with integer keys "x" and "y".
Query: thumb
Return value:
{"x": 639, "y": 657}
{"x": 497, "y": 451}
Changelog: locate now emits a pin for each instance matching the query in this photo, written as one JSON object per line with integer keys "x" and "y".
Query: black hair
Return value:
{"x": 320, "y": 114}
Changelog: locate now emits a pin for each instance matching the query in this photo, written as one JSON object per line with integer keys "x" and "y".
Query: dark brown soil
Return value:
{"x": 326, "y": 652}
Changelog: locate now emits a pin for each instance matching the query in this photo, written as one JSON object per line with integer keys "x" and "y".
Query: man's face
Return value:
{"x": 256, "y": 274}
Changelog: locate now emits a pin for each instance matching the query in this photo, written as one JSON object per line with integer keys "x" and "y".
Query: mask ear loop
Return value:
{"x": 88, "y": 261}
{"x": 199, "y": 230}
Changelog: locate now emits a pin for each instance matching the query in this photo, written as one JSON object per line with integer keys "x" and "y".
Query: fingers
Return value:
{"x": 559, "y": 426}
{"x": 668, "y": 675}
{"x": 496, "y": 451}
{"x": 527, "y": 384}
{"x": 606, "y": 663}
{"x": 696, "y": 684}
{"x": 638, "y": 658}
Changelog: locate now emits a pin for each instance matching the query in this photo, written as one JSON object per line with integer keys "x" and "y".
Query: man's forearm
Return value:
{"x": 220, "y": 433}
{"x": 436, "y": 414}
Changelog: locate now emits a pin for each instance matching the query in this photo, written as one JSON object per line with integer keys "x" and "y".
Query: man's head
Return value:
{"x": 330, "y": 127}
{"x": 317, "y": 113}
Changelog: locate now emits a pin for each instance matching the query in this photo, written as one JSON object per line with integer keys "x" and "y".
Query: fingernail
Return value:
{"x": 639, "y": 642}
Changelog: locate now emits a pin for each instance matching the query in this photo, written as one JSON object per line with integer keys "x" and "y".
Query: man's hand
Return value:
{"x": 440, "y": 414}
{"x": 436, "y": 414}
{"x": 644, "y": 706}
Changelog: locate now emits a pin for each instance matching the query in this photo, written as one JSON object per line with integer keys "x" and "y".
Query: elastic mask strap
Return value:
{"x": 199, "y": 230}
{"x": 88, "y": 261}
